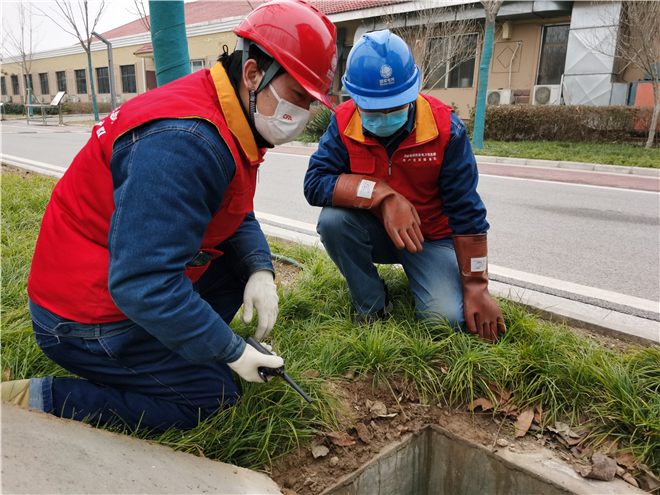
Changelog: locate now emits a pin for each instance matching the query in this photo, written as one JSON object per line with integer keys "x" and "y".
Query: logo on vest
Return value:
{"x": 113, "y": 116}
{"x": 420, "y": 157}
{"x": 286, "y": 116}
{"x": 386, "y": 74}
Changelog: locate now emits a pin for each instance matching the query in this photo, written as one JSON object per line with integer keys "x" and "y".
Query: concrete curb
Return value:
{"x": 504, "y": 160}
{"x": 549, "y": 307}
{"x": 45, "y": 454}
{"x": 588, "y": 167}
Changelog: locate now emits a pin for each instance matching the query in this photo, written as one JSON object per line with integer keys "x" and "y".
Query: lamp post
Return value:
{"x": 111, "y": 71}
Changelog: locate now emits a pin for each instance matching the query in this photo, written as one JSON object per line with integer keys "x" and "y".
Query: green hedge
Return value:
{"x": 19, "y": 109}
{"x": 564, "y": 123}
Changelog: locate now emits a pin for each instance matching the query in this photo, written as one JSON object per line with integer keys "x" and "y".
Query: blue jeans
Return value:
{"x": 356, "y": 239}
{"x": 129, "y": 376}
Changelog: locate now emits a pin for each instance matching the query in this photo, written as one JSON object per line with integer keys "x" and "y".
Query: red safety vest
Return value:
{"x": 69, "y": 274}
{"x": 415, "y": 166}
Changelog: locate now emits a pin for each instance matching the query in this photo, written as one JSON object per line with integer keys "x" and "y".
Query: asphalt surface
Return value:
{"x": 601, "y": 237}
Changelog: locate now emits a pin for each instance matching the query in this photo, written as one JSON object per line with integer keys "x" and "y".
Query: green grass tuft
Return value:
{"x": 541, "y": 362}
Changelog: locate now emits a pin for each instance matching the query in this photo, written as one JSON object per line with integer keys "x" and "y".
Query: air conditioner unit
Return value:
{"x": 40, "y": 99}
{"x": 120, "y": 100}
{"x": 74, "y": 99}
{"x": 500, "y": 97}
{"x": 6, "y": 99}
{"x": 104, "y": 99}
{"x": 547, "y": 94}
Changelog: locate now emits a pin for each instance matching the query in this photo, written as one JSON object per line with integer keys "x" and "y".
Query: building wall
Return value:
{"x": 205, "y": 47}
{"x": 523, "y": 69}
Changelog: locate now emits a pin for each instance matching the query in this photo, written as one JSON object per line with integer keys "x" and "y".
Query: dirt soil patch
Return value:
{"x": 372, "y": 417}
{"x": 285, "y": 274}
{"x": 21, "y": 172}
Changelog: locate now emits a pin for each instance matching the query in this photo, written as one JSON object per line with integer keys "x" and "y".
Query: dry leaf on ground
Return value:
{"x": 503, "y": 395}
{"x": 603, "y": 468}
{"x": 523, "y": 422}
{"x": 7, "y": 374}
{"x": 626, "y": 459}
{"x": 310, "y": 374}
{"x": 363, "y": 433}
{"x": 378, "y": 409}
{"x": 484, "y": 403}
{"x": 340, "y": 438}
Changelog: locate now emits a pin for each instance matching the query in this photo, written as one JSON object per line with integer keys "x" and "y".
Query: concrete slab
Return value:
{"x": 45, "y": 454}
{"x": 576, "y": 165}
{"x": 646, "y": 172}
{"x": 435, "y": 461}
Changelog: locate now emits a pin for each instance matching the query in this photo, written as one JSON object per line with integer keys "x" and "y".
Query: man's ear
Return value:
{"x": 251, "y": 75}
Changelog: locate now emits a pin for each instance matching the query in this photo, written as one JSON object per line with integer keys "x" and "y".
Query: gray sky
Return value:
{"x": 50, "y": 35}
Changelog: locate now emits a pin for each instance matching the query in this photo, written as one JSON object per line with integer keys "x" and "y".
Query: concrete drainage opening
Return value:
{"x": 436, "y": 462}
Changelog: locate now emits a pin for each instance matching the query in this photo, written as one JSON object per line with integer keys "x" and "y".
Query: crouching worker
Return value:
{"x": 149, "y": 245}
{"x": 397, "y": 180}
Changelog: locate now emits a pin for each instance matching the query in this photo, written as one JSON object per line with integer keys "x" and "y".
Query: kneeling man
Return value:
{"x": 397, "y": 180}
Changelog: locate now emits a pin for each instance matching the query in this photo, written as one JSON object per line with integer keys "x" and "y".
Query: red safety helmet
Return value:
{"x": 301, "y": 38}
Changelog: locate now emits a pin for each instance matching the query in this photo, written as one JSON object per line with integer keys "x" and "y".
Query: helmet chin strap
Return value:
{"x": 244, "y": 44}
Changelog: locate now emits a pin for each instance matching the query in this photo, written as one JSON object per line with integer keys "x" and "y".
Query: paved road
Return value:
{"x": 598, "y": 237}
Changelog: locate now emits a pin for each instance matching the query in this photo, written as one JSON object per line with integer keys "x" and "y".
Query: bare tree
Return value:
{"x": 440, "y": 37}
{"x": 633, "y": 36}
{"x": 142, "y": 12}
{"x": 79, "y": 24}
{"x": 22, "y": 40}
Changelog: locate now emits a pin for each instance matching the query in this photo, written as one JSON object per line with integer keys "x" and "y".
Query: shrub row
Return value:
{"x": 563, "y": 123}
{"x": 67, "y": 108}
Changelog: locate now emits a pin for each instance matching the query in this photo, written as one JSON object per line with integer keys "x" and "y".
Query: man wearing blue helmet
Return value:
{"x": 397, "y": 180}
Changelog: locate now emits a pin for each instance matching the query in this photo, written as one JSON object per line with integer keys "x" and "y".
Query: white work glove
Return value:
{"x": 261, "y": 293}
{"x": 251, "y": 359}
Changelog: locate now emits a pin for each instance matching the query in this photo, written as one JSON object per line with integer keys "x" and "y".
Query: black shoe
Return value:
{"x": 382, "y": 314}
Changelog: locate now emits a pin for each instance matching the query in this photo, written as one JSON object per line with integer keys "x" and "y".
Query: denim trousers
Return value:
{"x": 128, "y": 376}
{"x": 355, "y": 240}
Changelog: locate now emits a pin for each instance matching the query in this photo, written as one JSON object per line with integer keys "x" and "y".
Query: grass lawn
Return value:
{"x": 82, "y": 122}
{"x": 610, "y": 154}
{"x": 570, "y": 378}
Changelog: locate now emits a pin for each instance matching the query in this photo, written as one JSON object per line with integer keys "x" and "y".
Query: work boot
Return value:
{"x": 381, "y": 315}
{"x": 16, "y": 392}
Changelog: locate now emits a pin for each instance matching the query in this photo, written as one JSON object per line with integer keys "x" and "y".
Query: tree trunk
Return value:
{"x": 91, "y": 81}
{"x": 484, "y": 67}
{"x": 168, "y": 36}
{"x": 656, "y": 111}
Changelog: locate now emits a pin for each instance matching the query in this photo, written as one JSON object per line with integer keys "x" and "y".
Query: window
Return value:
{"x": 196, "y": 65}
{"x": 81, "y": 82}
{"x": 4, "y": 86}
{"x": 27, "y": 79}
{"x": 553, "y": 54}
{"x": 43, "y": 78}
{"x": 128, "y": 79}
{"x": 61, "y": 81}
{"x": 14, "y": 85}
{"x": 454, "y": 72}
{"x": 103, "y": 78}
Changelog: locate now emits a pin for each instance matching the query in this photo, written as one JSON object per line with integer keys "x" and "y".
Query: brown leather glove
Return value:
{"x": 482, "y": 314}
{"x": 399, "y": 215}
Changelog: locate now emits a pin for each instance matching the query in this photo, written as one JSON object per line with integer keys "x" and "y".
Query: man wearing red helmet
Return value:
{"x": 397, "y": 180}
{"x": 149, "y": 245}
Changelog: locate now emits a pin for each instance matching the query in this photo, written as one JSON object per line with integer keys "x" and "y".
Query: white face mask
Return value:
{"x": 286, "y": 124}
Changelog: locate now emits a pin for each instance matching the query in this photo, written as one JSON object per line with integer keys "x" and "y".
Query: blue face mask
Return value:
{"x": 384, "y": 124}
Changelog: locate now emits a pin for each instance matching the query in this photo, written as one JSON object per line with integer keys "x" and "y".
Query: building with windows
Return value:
{"x": 539, "y": 54}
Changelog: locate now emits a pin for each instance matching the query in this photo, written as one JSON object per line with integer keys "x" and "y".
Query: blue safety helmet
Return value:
{"x": 381, "y": 72}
